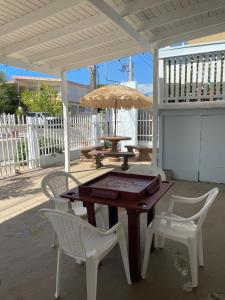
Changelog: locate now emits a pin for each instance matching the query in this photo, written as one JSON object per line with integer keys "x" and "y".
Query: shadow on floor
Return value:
{"x": 28, "y": 263}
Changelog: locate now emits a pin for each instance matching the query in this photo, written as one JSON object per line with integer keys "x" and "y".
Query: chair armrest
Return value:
{"x": 179, "y": 199}
{"x": 169, "y": 218}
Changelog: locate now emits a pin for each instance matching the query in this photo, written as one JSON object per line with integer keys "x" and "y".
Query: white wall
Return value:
{"x": 127, "y": 126}
{"x": 192, "y": 144}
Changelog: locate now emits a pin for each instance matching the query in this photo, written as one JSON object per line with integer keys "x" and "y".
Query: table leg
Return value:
{"x": 113, "y": 216}
{"x": 114, "y": 149}
{"x": 125, "y": 163}
{"x": 114, "y": 146}
{"x": 134, "y": 244}
{"x": 150, "y": 217}
{"x": 91, "y": 213}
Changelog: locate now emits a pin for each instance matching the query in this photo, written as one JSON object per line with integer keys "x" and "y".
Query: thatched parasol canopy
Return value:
{"x": 116, "y": 96}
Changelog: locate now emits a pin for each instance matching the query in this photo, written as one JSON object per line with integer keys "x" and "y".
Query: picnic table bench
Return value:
{"x": 143, "y": 152}
{"x": 85, "y": 151}
{"x": 98, "y": 156}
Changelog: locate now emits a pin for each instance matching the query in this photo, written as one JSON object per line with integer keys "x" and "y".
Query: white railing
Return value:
{"x": 29, "y": 142}
{"x": 194, "y": 77}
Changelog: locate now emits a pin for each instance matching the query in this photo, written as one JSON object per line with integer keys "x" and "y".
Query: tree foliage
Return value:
{"x": 2, "y": 77}
{"x": 45, "y": 99}
{"x": 9, "y": 100}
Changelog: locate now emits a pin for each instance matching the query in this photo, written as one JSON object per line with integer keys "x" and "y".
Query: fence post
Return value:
{"x": 94, "y": 129}
{"x": 155, "y": 107}
{"x": 32, "y": 143}
{"x": 66, "y": 121}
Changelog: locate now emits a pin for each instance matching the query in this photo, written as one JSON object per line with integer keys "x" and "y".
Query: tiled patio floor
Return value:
{"x": 22, "y": 192}
{"x": 27, "y": 262}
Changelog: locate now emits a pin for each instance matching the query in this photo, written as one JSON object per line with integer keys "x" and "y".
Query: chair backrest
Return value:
{"x": 202, "y": 213}
{"x": 144, "y": 169}
{"x": 56, "y": 183}
{"x": 69, "y": 229}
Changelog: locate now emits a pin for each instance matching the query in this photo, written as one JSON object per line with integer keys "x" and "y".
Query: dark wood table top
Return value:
{"x": 142, "y": 204}
{"x": 115, "y": 138}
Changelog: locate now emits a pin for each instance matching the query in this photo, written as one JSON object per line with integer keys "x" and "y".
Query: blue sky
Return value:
{"x": 107, "y": 72}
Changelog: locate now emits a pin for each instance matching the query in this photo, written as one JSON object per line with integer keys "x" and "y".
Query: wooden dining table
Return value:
{"x": 114, "y": 140}
{"x": 144, "y": 204}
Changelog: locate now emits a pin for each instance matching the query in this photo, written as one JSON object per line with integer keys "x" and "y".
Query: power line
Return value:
{"x": 144, "y": 61}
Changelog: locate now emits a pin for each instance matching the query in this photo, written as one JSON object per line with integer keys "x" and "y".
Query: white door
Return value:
{"x": 181, "y": 145}
{"x": 212, "y": 154}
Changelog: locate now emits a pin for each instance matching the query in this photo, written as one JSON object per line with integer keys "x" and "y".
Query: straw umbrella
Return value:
{"x": 116, "y": 97}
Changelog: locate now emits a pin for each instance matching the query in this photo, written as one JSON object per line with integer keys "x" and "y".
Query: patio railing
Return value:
{"x": 31, "y": 142}
{"x": 195, "y": 77}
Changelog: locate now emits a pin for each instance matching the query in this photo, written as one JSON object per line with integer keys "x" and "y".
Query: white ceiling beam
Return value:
{"x": 91, "y": 53}
{"x": 54, "y": 34}
{"x": 102, "y": 58}
{"x": 138, "y": 5}
{"x": 109, "y": 12}
{"x": 25, "y": 65}
{"x": 189, "y": 28}
{"x": 195, "y": 9}
{"x": 37, "y": 15}
{"x": 192, "y": 35}
{"x": 71, "y": 48}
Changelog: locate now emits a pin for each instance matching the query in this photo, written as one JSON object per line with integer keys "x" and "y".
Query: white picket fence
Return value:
{"x": 194, "y": 77}
{"x": 31, "y": 142}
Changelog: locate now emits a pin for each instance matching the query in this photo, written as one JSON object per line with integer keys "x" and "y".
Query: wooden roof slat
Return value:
{"x": 194, "y": 10}
{"x": 99, "y": 39}
{"x": 37, "y": 15}
{"x": 54, "y": 34}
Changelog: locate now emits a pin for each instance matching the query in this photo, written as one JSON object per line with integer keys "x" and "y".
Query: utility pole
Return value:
{"x": 130, "y": 70}
{"x": 93, "y": 73}
{"x": 93, "y": 79}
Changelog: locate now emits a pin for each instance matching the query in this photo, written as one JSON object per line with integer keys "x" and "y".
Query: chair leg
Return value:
{"x": 200, "y": 250}
{"x": 59, "y": 273}
{"x": 124, "y": 254}
{"x": 161, "y": 242}
{"x": 91, "y": 278}
{"x": 193, "y": 258}
{"x": 148, "y": 242}
{"x": 53, "y": 239}
{"x": 156, "y": 241}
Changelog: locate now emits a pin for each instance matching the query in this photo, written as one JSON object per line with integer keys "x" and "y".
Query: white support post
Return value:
{"x": 66, "y": 121}
{"x": 155, "y": 106}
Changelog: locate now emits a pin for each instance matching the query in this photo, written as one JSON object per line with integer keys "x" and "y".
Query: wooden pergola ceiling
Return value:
{"x": 52, "y": 36}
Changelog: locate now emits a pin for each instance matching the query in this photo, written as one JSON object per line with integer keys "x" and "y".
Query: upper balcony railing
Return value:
{"x": 191, "y": 74}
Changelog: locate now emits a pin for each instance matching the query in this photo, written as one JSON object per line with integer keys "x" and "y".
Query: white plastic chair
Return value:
{"x": 55, "y": 184}
{"x": 187, "y": 231}
{"x": 84, "y": 242}
{"x": 144, "y": 169}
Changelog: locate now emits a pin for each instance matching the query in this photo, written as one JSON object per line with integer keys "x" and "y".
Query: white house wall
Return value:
{"x": 192, "y": 144}
{"x": 212, "y": 159}
{"x": 76, "y": 92}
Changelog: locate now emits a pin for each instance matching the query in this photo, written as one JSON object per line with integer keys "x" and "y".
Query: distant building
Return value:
{"x": 144, "y": 88}
{"x": 75, "y": 90}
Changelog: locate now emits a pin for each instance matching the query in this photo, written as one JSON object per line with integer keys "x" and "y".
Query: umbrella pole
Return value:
{"x": 115, "y": 112}
{"x": 115, "y": 122}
